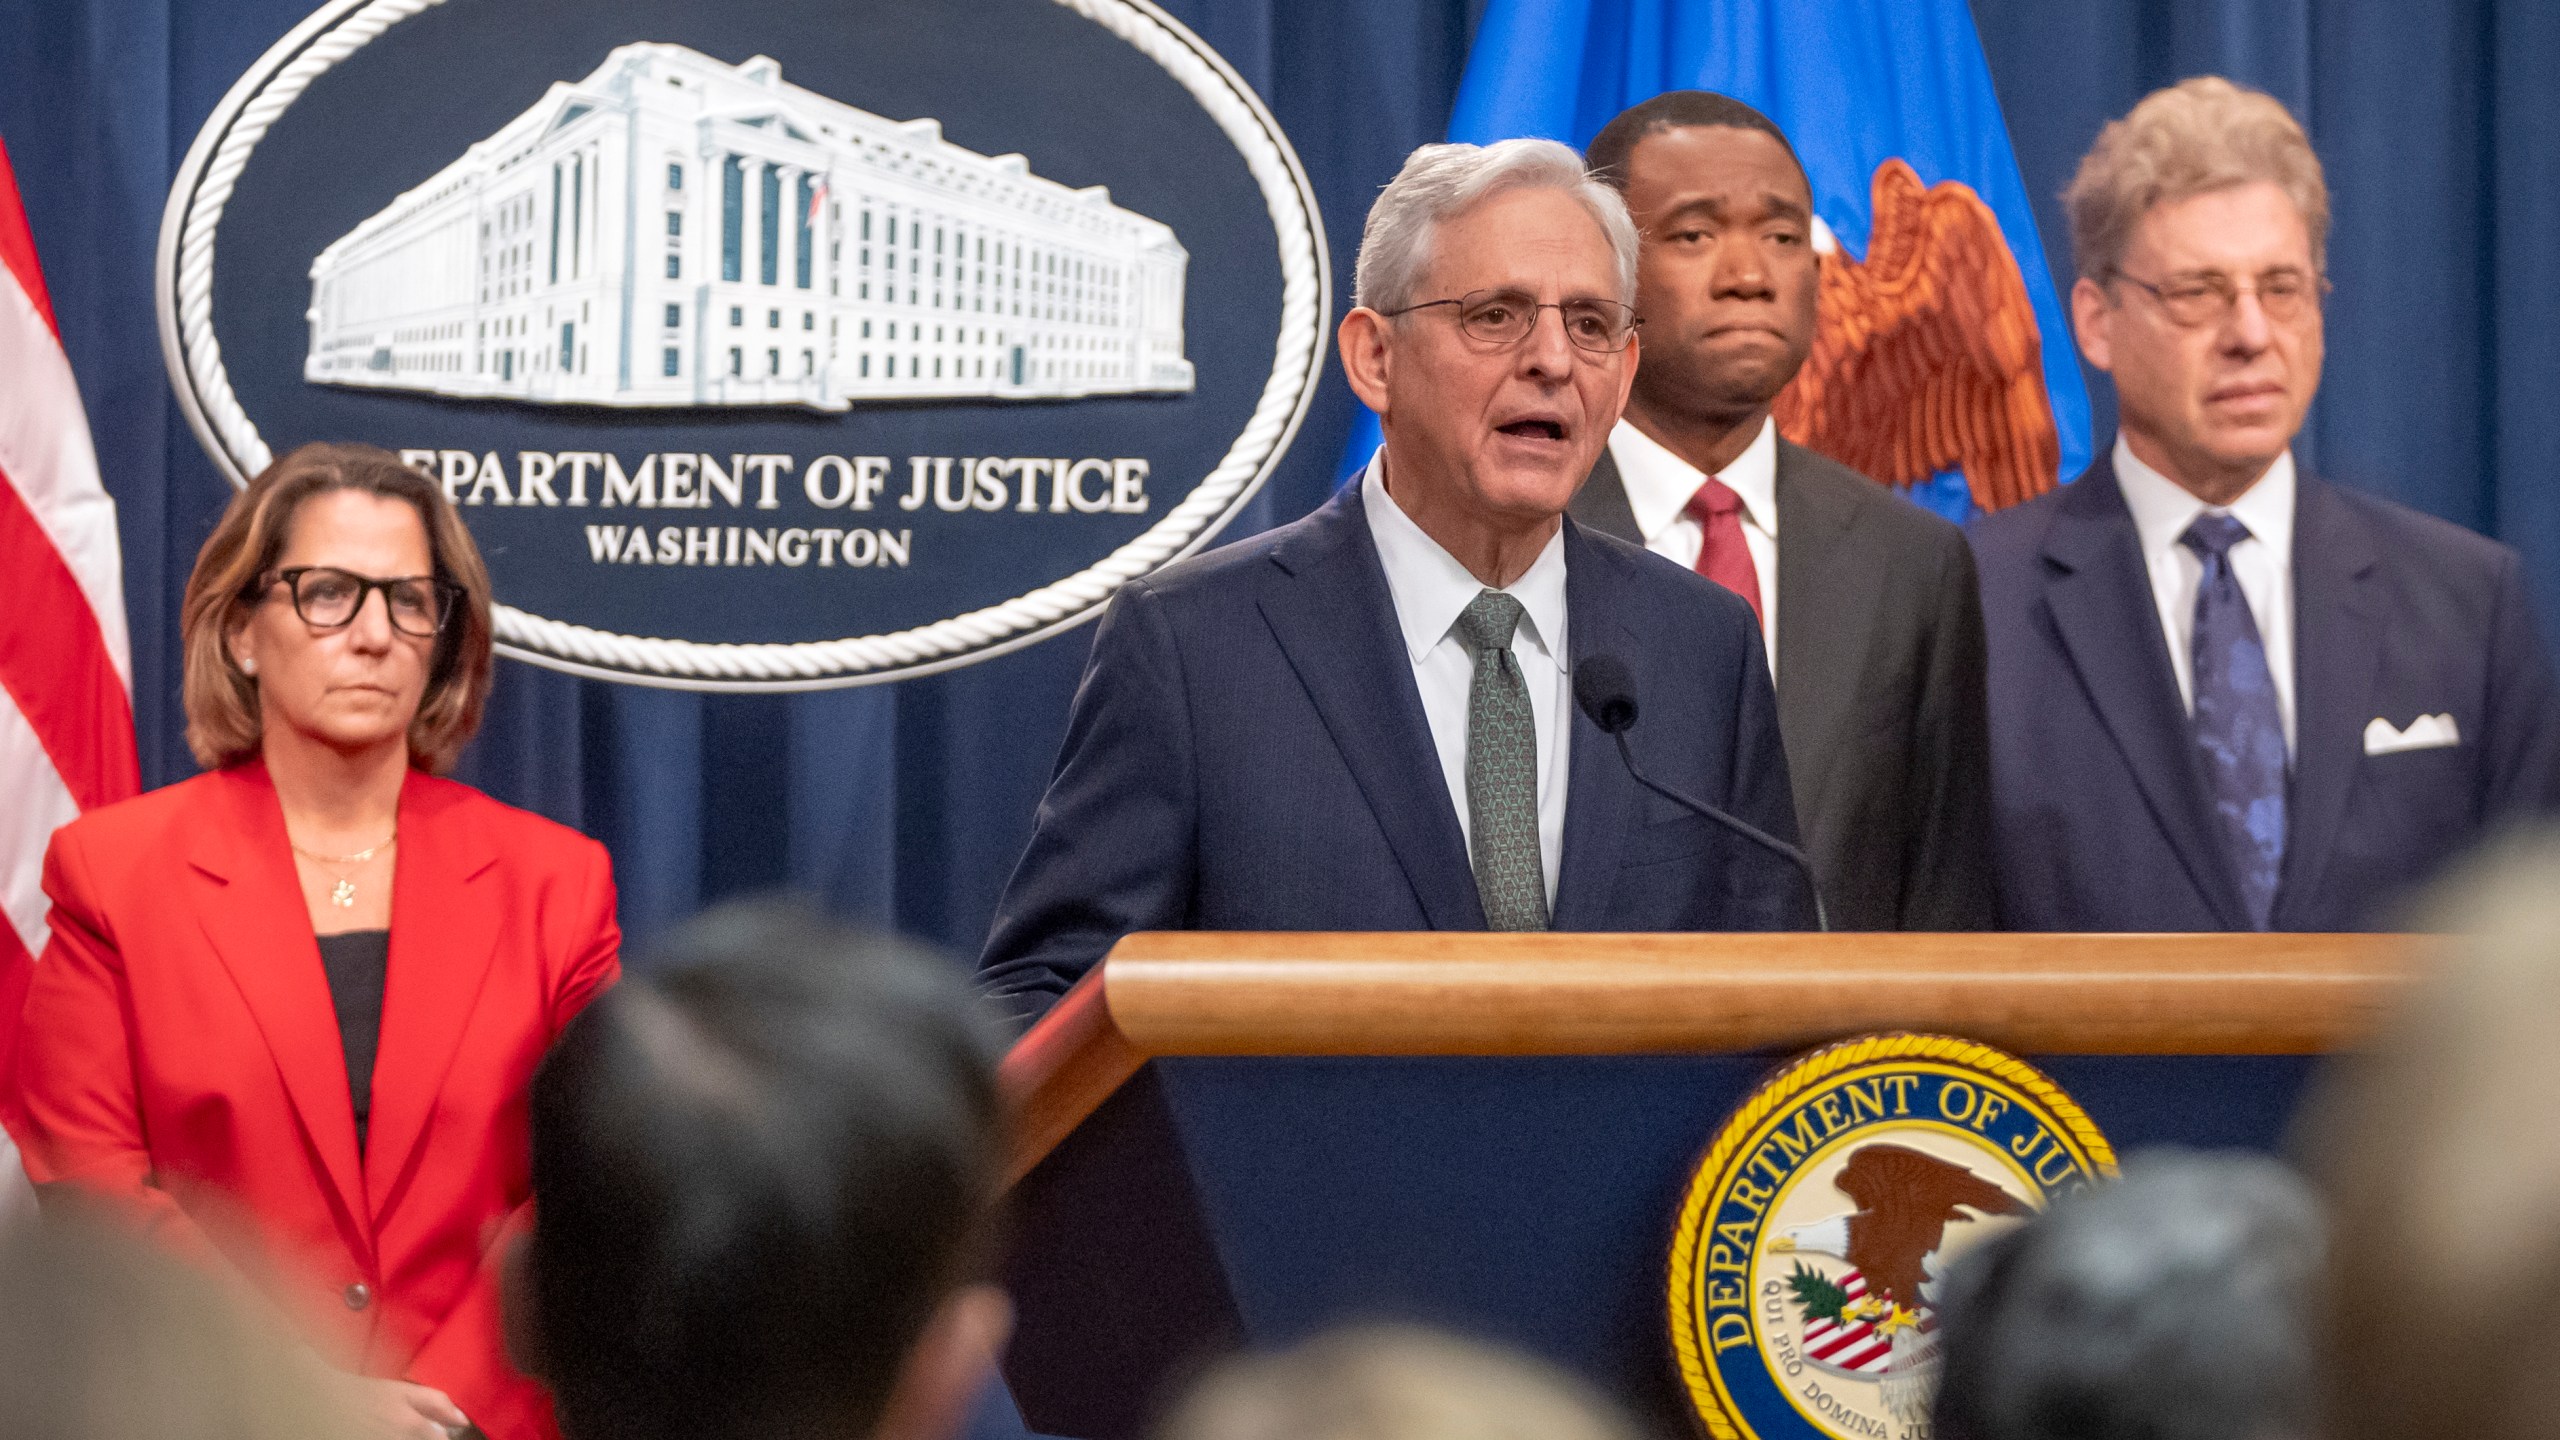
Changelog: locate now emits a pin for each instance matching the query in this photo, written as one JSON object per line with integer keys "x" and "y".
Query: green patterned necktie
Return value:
{"x": 1502, "y": 770}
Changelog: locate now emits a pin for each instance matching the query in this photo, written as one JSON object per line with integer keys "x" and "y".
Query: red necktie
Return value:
{"x": 1725, "y": 558}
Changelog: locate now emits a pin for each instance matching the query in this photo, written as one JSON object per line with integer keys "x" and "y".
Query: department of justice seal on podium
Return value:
{"x": 1815, "y": 1232}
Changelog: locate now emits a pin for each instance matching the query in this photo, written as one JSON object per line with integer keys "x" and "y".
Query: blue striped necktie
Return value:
{"x": 2238, "y": 727}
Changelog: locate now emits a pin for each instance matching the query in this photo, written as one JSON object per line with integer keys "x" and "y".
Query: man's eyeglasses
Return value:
{"x": 2210, "y": 297}
{"x": 327, "y": 598}
{"x": 1505, "y": 317}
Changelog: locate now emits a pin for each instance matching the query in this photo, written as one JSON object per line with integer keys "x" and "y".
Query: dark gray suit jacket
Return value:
{"x": 1881, "y": 697}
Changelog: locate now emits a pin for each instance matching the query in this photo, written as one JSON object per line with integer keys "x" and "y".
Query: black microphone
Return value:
{"x": 1606, "y": 691}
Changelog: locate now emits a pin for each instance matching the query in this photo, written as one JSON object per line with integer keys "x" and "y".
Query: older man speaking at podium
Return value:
{"x": 1365, "y": 720}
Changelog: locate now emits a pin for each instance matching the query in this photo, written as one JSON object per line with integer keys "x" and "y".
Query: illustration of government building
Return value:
{"x": 676, "y": 231}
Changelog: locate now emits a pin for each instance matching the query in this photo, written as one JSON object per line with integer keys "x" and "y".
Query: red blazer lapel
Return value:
{"x": 251, "y": 907}
{"x": 443, "y": 936}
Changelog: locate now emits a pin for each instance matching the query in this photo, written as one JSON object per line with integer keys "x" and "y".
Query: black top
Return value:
{"x": 356, "y": 961}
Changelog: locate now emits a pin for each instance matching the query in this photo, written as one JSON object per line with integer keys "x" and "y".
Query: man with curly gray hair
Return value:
{"x": 2226, "y": 695}
{"x": 1365, "y": 720}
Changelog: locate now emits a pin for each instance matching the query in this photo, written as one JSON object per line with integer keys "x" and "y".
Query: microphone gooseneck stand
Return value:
{"x": 1605, "y": 690}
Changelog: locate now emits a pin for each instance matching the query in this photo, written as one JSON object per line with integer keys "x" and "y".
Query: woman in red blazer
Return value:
{"x": 290, "y": 1008}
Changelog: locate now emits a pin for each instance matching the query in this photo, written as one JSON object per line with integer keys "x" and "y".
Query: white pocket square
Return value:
{"x": 2427, "y": 732}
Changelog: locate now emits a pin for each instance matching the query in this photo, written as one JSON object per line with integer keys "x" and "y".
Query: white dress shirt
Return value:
{"x": 1659, "y": 485}
{"x": 2263, "y": 564}
{"x": 1431, "y": 589}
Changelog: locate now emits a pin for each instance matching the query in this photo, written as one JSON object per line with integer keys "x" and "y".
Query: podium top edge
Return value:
{"x": 1204, "y": 993}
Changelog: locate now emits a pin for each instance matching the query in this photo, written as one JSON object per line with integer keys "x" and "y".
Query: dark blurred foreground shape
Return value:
{"x": 2440, "y": 1150}
{"x": 2175, "y": 1304}
{"x": 765, "y": 1170}
{"x": 104, "y": 1338}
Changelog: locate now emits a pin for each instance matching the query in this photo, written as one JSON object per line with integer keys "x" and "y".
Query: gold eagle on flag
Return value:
{"x": 1925, "y": 354}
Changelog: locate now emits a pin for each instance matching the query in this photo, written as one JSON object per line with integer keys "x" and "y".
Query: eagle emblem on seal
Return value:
{"x": 1878, "y": 1317}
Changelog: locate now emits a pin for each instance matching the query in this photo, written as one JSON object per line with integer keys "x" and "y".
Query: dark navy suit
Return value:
{"x": 2102, "y": 817}
{"x": 1248, "y": 752}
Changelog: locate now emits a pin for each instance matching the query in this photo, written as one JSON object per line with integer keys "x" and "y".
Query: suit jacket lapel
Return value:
{"x": 1600, "y": 801}
{"x": 2102, "y": 605}
{"x": 2338, "y": 625}
{"x": 1822, "y": 635}
{"x": 443, "y": 935}
{"x": 1336, "y": 622}
{"x": 250, "y": 904}
{"x": 1601, "y": 503}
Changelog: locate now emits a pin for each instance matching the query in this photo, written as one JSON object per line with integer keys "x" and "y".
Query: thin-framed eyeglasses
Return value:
{"x": 2210, "y": 297}
{"x": 1506, "y": 317}
{"x": 327, "y": 598}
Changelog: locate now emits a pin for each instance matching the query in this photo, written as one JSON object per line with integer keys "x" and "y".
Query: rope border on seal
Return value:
{"x": 212, "y": 170}
{"x": 1706, "y": 1177}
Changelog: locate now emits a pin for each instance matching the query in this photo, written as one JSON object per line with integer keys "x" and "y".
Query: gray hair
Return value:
{"x": 2196, "y": 136}
{"x": 2176, "y": 1304}
{"x": 1439, "y": 182}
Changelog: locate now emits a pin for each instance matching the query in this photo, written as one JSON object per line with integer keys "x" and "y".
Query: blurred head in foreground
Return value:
{"x": 764, "y": 1171}
{"x": 103, "y": 1338}
{"x": 1392, "y": 1383}
{"x": 2175, "y": 1304}
{"x": 2441, "y": 1160}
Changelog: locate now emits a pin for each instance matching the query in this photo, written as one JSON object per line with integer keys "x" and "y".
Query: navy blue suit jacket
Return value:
{"x": 2102, "y": 819}
{"x": 1248, "y": 752}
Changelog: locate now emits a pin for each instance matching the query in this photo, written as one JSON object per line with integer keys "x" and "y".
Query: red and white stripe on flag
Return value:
{"x": 66, "y": 669}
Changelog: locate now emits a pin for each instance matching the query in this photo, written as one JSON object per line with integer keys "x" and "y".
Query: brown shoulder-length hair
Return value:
{"x": 223, "y": 720}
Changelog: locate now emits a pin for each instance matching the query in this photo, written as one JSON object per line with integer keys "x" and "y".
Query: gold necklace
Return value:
{"x": 344, "y": 895}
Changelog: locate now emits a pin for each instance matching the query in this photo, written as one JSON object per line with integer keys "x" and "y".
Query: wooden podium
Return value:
{"x": 1233, "y": 1139}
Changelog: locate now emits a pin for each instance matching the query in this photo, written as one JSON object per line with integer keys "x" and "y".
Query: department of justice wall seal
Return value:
{"x": 762, "y": 344}
{"x": 1814, "y": 1233}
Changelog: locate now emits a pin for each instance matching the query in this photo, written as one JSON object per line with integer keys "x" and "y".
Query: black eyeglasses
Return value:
{"x": 327, "y": 597}
{"x": 2210, "y": 297}
{"x": 1505, "y": 317}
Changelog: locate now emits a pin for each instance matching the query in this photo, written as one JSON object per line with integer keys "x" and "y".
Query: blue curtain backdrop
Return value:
{"x": 907, "y": 805}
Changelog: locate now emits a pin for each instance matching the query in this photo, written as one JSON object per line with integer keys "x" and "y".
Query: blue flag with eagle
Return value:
{"x": 1942, "y": 362}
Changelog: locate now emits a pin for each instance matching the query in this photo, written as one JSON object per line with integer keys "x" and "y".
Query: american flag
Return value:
{"x": 66, "y": 671}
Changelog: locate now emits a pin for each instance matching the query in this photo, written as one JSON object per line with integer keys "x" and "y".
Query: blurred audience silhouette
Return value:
{"x": 105, "y": 1337}
{"x": 2441, "y": 1159}
{"x": 1392, "y": 1382}
{"x": 765, "y": 1170}
{"x": 2175, "y": 1304}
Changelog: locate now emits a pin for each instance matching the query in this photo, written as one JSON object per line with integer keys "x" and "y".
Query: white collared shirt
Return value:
{"x": 1431, "y": 589}
{"x": 2263, "y": 564}
{"x": 1659, "y": 485}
